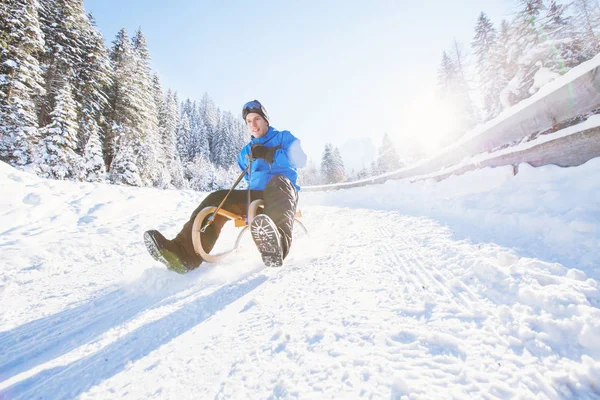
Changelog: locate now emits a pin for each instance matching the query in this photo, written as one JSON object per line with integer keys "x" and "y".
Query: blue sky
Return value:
{"x": 326, "y": 70}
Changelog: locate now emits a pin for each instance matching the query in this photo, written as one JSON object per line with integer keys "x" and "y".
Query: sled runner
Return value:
{"x": 240, "y": 222}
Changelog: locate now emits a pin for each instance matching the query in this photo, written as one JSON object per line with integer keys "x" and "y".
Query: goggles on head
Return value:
{"x": 254, "y": 106}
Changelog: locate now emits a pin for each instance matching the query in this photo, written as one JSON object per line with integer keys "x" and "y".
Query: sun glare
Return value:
{"x": 427, "y": 122}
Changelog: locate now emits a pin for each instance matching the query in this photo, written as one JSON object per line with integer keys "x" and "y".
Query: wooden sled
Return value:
{"x": 240, "y": 222}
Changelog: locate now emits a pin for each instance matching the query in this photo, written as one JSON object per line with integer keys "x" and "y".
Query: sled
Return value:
{"x": 240, "y": 222}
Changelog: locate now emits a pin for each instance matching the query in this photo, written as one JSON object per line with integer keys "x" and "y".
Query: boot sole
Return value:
{"x": 265, "y": 237}
{"x": 155, "y": 252}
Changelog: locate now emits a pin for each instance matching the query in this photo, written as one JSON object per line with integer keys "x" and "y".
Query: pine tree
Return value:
{"x": 454, "y": 91}
{"x": 93, "y": 77}
{"x": 339, "y": 172}
{"x": 21, "y": 82}
{"x": 168, "y": 119}
{"x": 125, "y": 136}
{"x": 332, "y": 165}
{"x": 56, "y": 157}
{"x": 564, "y": 48}
{"x": 374, "y": 169}
{"x": 94, "y": 167}
{"x": 504, "y": 60}
{"x": 446, "y": 74}
{"x": 225, "y": 150}
{"x": 183, "y": 136}
{"x": 327, "y": 167}
{"x": 201, "y": 175}
{"x": 388, "y": 159}
{"x": 587, "y": 23}
{"x": 483, "y": 43}
{"x": 241, "y": 133}
{"x": 528, "y": 28}
{"x": 210, "y": 114}
{"x": 61, "y": 22}
{"x": 151, "y": 161}
{"x": 124, "y": 170}
{"x": 199, "y": 145}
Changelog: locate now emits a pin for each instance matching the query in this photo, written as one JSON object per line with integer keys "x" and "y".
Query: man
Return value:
{"x": 276, "y": 155}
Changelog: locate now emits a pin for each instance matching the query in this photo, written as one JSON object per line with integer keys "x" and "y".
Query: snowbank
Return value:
{"x": 551, "y": 213}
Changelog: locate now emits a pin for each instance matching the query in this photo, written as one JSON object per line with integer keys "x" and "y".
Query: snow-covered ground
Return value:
{"x": 480, "y": 286}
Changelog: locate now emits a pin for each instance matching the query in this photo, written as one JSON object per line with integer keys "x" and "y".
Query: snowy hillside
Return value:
{"x": 480, "y": 286}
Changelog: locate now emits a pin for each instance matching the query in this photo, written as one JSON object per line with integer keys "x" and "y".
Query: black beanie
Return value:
{"x": 254, "y": 106}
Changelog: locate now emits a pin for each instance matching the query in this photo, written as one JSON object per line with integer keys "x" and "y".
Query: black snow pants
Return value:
{"x": 280, "y": 197}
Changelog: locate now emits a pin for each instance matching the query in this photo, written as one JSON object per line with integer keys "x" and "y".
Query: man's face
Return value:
{"x": 256, "y": 125}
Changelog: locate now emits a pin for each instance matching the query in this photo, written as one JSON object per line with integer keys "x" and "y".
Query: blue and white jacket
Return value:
{"x": 288, "y": 158}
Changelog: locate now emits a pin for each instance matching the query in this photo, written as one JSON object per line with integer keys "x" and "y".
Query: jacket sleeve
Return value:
{"x": 243, "y": 159}
{"x": 290, "y": 154}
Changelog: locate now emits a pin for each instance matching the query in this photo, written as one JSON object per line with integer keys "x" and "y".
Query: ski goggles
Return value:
{"x": 254, "y": 106}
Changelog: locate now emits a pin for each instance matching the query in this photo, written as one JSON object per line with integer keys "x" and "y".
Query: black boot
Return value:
{"x": 267, "y": 238}
{"x": 164, "y": 251}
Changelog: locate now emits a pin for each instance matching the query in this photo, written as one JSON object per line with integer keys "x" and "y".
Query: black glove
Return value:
{"x": 264, "y": 152}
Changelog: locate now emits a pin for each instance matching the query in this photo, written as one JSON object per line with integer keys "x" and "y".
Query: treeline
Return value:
{"x": 332, "y": 170}
{"x": 512, "y": 60}
{"x": 71, "y": 108}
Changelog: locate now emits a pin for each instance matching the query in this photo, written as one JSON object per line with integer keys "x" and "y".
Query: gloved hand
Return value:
{"x": 264, "y": 152}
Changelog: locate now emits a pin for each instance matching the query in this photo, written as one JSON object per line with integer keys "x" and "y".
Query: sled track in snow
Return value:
{"x": 371, "y": 298}
{"x": 100, "y": 337}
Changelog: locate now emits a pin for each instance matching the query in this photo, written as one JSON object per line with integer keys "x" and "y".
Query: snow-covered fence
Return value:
{"x": 574, "y": 94}
{"x": 565, "y": 151}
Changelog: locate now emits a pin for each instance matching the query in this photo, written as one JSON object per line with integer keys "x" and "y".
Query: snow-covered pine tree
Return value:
{"x": 169, "y": 117}
{"x": 362, "y": 174}
{"x": 483, "y": 43}
{"x": 94, "y": 168}
{"x": 446, "y": 74}
{"x": 339, "y": 172}
{"x": 125, "y": 135}
{"x": 562, "y": 48}
{"x": 454, "y": 92}
{"x": 201, "y": 174}
{"x": 56, "y": 155}
{"x": 211, "y": 116}
{"x": 327, "y": 165}
{"x": 151, "y": 159}
{"x": 503, "y": 59}
{"x": 587, "y": 27}
{"x": 225, "y": 150}
{"x": 528, "y": 28}
{"x": 183, "y": 135}
{"x": 21, "y": 82}
{"x": 374, "y": 169}
{"x": 332, "y": 165}
{"x": 198, "y": 133}
{"x": 124, "y": 170}
{"x": 387, "y": 159}
{"x": 93, "y": 78}
{"x": 167, "y": 153}
{"x": 63, "y": 25}
{"x": 240, "y": 133}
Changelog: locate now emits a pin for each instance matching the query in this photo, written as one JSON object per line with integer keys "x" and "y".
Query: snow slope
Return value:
{"x": 480, "y": 286}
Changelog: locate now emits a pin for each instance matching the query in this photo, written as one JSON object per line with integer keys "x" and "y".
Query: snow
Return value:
{"x": 481, "y": 285}
{"x": 542, "y": 77}
{"x": 11, "y": 64}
